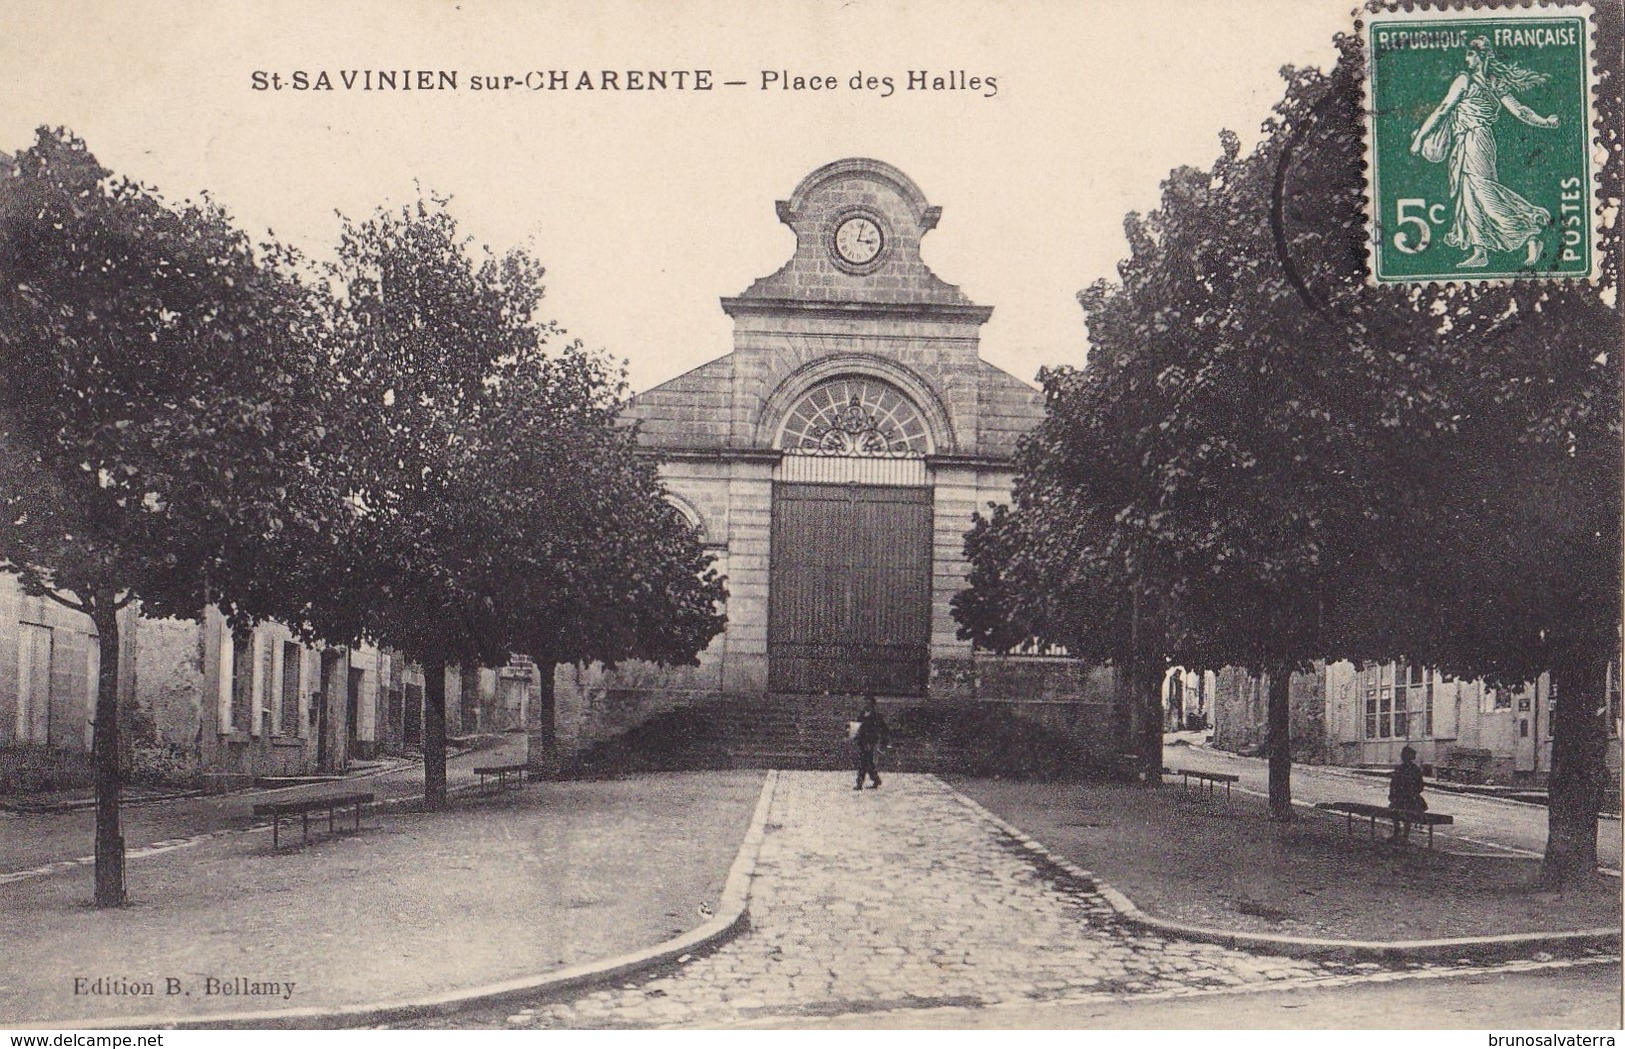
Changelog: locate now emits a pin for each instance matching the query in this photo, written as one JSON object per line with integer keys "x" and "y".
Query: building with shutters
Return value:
{"x": 234, "y": 705}
{"x": 1363, "y": 716}
{"x": 832, "y": 460}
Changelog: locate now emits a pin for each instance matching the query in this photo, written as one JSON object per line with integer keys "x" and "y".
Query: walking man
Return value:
{"x": 872, "y": 733}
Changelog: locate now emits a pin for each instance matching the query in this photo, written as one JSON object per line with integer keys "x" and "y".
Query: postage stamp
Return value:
{"x": 1479, "y": 144}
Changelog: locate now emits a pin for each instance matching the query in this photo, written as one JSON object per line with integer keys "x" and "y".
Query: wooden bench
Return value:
{"x": 302, "y": 808}
{"x": 1206, "y": 782}
{"x": 501, "y": 772}
{"x": 1351, "y": 809}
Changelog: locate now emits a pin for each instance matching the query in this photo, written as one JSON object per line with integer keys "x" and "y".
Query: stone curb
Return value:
{"x": 1479, "y": 948}
{"x": 57, "y": 808}
{"x": 402, "y": 802}
{"x": 54, "y": 808}
{"x": 731, "y": 919}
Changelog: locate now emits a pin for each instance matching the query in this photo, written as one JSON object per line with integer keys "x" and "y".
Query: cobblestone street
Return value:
{"x": 909, "y": 898}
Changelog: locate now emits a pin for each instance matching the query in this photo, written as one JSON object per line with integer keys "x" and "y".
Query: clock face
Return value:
{"x": 858, "y": 240}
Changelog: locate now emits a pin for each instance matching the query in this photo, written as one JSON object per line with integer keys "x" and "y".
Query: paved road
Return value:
{"x": 907, "y": 899}
{"x": 1582, "y": 997}
{"x": 1479, "y": 820}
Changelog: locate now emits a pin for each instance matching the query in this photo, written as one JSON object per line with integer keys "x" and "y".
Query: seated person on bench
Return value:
{"x": 1405, "y": 792}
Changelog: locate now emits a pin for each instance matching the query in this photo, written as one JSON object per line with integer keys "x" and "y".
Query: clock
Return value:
{"x": 858, "y": 240}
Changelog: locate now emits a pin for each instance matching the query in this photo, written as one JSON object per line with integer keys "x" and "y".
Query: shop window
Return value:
{"x": 1398, "y": 702}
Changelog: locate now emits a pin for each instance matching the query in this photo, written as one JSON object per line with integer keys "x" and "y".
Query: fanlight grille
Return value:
{"x": 855, "y": 416}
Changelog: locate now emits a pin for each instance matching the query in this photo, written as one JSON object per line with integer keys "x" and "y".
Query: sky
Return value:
{"x": 648, "y": 207}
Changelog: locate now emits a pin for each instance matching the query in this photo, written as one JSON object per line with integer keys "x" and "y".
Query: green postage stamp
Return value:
{"x": 1479, "y": 144}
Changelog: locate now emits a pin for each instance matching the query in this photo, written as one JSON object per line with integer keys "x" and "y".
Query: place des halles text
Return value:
{"x": 595, "y": 80}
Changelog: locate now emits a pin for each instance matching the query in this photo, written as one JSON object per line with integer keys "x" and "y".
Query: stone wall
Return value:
{"x": 169, "y": 677}
{"x": 778, "y": 356}
{"x": 1241, "y": 713}
{"x": 594, "y": 703}
{"x": 64, "y": 645}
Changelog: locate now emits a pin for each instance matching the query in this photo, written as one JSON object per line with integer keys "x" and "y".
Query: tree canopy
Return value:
{"x": 501, "y": 508}
{"x": 1277, "y": 462}
{"x": 150, "y": 360}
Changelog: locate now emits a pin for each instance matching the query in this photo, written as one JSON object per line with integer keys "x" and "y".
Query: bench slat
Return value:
{"x": 294, "y": 808}
{"x": 1361, "y": 808}
{"x": 1216, "y": 777}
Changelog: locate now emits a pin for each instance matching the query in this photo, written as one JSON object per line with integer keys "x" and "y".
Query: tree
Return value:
{"x": 623, "y": 575}
{"x": 1191, "y": 487}
{"x": 1060, "y": 568}
{"x": 502, "y": 510}
{"x": 1305, "y": 466}
{"x": 1244, "y": 473}
{"x": 992, "y": 611}
{"x": 149, "y": 355}
{"x": 639, "y": 586}
{"x": 1500, "y": 435}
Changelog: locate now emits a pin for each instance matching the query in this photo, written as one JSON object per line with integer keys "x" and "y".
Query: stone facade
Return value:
{"x": 236, "y": 707}
{"x": 49, "y": 666}
{"x": 1364, "y": 716}
{"x": 732, "y": 432}
{"x": 1240, "y": 710}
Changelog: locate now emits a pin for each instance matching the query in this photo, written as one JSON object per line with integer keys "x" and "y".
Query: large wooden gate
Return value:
{"x": 849, "y": 602}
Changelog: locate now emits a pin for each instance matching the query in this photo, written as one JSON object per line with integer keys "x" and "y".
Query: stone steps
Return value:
{"x": 809, "y": 732}
{"x": 801, "y": 732}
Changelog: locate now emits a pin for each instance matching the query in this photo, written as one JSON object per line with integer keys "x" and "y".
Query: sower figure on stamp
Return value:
{"x": 1486, "y": 216}
{"x": 1405, "y": 792}
{"x": 872, "y": 733}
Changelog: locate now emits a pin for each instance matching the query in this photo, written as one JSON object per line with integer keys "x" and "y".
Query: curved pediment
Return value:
{"x": 858, "y": 225}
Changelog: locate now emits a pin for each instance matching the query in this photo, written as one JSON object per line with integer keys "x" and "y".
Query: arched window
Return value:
{"x": 855, "y": 415}
{"x": 682, "y": 511}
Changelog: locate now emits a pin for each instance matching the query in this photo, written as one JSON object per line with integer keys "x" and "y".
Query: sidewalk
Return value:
{"x": 495, "y": 887}
{"x": 35, "y": 839}
{"x": 1195, "y": 859}
{"x": 908, "y": 898}
{"x": 883, "y": 906}
{"x": 1497, "y": 823}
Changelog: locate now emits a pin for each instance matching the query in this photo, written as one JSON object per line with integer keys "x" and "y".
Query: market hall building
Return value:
{"x": 832, "y": 461}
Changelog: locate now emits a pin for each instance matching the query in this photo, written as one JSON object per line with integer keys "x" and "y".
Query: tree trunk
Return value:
{"x": 1139, "y": 719}
{"x": 105, "y": 748}
{"x": 1579, "y": 724}
{"x": 1126, "y": 721}
{"x": 543, "y": 754}
{"x": 1278, "y": 742}
{"x": 468, "y": 698}
{"x": 434, "y": 734}
{"x": 1150, "y": 676}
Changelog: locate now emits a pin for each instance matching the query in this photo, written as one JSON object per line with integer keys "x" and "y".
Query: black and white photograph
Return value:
{"x": 816, "y": 515}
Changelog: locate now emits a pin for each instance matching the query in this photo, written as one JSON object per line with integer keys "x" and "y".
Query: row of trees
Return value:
{"x": 389, "y": 447}
{"x": 1267, "y": 462}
